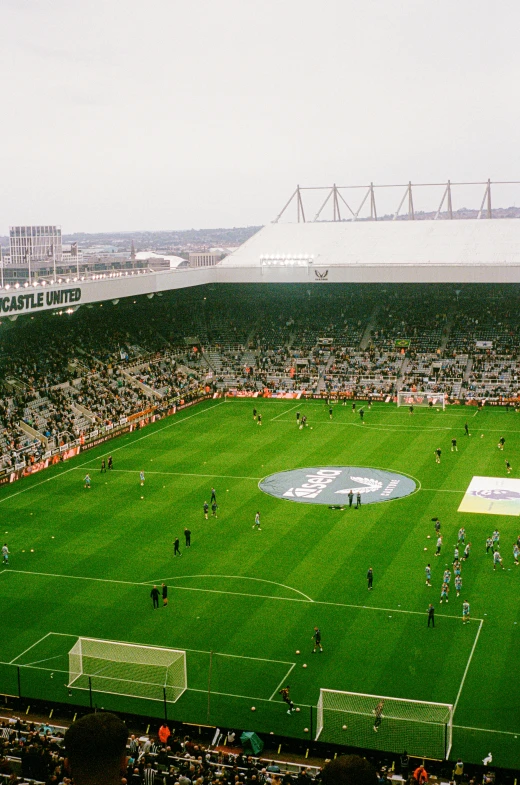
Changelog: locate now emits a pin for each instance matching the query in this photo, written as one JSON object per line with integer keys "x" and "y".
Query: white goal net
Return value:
{"x": 127, "y": 669}
{"x": 429, "y": 399}
{"x": 376, "y": 722}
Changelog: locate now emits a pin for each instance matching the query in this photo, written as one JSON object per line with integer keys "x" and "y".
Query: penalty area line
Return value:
{"x": 472, "y": 652}
{"x": 29, "y": 648}
{"x": 238, "y": 594}
{"x": 283, "y": 681}
{"x": 244, "y": 697}
{"x": 285, "y": 411}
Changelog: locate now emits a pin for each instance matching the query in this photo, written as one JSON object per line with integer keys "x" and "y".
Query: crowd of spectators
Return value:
{"x": 99, "y": 748}
{"x": 63, "y": 376}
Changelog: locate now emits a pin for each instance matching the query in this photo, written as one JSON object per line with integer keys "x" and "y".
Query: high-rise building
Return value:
{"x": 34, "y": 245}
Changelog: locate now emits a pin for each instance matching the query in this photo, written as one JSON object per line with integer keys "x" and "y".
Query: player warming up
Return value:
{"x": 284, "y": 692}
{"x": 316, "y": 637}
{"x": 5, "y": 554}
{"x": 141, "y": 478}
{"x": 256, "y": 524}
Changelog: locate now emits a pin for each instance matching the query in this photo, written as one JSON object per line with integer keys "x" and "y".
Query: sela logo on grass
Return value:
{"x": 332, "y": 485}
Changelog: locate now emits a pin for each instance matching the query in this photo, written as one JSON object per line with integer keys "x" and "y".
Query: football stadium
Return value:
{"x": 280, "y": 495}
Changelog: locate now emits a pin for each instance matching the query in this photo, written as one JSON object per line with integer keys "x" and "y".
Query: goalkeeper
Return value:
{"x": 378, "y": 713}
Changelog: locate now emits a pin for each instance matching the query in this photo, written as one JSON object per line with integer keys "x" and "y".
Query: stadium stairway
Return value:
{"x": 365, "y": 340}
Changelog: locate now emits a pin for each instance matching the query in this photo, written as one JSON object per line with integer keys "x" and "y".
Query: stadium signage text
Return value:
{"x": 30, "y": 301}
{"x": 332, "y": 485}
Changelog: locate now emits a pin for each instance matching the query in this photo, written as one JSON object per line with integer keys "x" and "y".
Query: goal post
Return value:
{"x": 424, "y": 399}
{"x": 422, "y": 728}
{"x": 127, "y": 669}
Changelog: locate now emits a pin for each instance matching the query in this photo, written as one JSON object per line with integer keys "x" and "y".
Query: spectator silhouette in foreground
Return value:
{"x": 349, "y": 770}
{"x": 96, "y": 749}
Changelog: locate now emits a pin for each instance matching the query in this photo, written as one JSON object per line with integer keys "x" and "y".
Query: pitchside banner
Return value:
{"x": 492, "y": 496}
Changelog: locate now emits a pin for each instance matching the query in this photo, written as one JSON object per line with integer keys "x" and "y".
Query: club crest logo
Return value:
{"x": 338, "y": 485}
{"x": 321, "y": 276}
{"x": 497, "y": 494}
{"x": 492, "y": 496}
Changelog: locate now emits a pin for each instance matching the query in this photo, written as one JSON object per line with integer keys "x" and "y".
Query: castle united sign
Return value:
{"x": 29, "y": 301}
{"x": 332, "y": 484}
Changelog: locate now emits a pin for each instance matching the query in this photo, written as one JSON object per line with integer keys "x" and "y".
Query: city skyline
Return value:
{"x": 192, "y": 115}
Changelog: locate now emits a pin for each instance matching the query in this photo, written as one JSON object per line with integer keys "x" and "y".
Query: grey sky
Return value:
{"x": 176, "y": 114}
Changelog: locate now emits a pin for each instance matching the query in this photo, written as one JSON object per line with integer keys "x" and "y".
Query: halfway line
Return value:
{"x": 73, "y": 468}
{"x": 183, "y": 474}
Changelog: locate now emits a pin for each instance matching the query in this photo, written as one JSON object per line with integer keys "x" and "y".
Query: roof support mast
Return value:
{"x": 447, "y": 193}
{"x": 486, "y": 197}
{"x": 334, "y": 193}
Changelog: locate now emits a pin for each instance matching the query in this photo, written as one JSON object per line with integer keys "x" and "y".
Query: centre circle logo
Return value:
{"x": 332, "y": 484}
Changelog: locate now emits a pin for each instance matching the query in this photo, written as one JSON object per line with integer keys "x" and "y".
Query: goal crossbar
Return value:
{"x": 421, "y": 398}
{"x": 424, "y": 728}
{"x": 132, "y": 670}
{"x": 384, "y": 714}
{"x": 391, "y": 698}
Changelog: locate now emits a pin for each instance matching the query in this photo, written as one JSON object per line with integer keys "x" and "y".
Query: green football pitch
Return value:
{"x": 243, "y": 602}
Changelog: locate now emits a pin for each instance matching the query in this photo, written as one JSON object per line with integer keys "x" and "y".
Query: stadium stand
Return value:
{"x": 62, "y": 378}
{"x": 33, "y": 752}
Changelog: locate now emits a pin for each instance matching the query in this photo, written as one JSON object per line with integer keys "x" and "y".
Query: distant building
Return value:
{"x": 159, "y": 261}
{"x": 33, "y": 245}
{"x": 205, "y": 258}
{"x": 71, "y": 254}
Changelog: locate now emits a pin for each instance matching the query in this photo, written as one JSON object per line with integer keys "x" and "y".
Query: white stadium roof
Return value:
{"x": 319, "y": 253}
{"x": 407, "y": 251}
